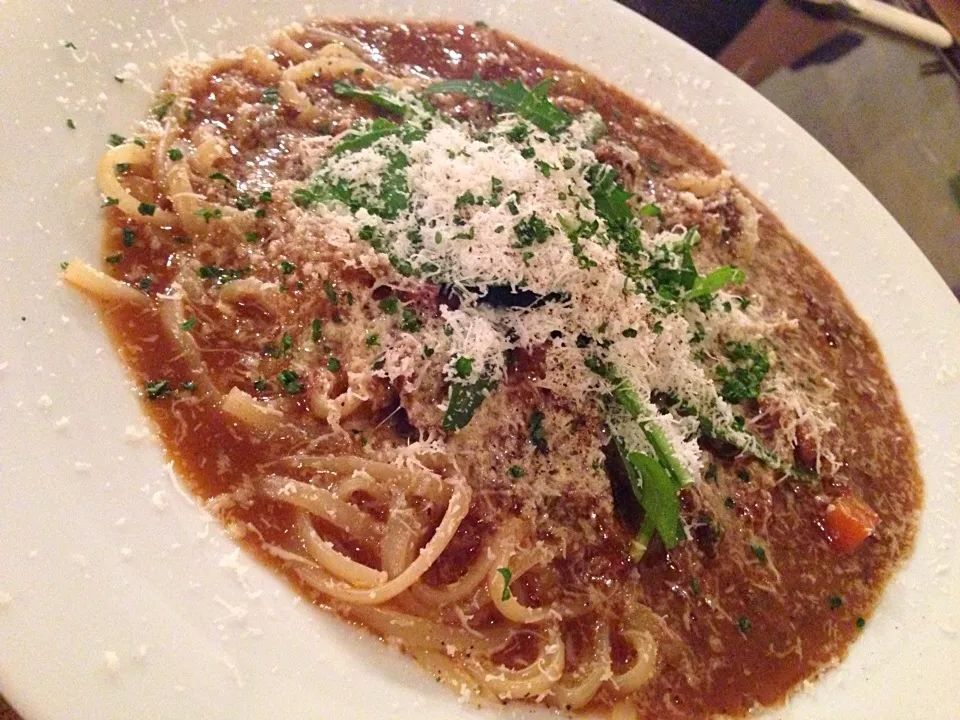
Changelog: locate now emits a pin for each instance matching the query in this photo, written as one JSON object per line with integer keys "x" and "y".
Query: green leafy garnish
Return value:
{"x": 156, "y": 388}
{"x": 357, "y": 140}
{"x": 378, "y": 97}
{"x": 290, "y": 382}
{"x": 511, "y": 96}
{"x": 465, "y": 398}
{"x": 535, "y": 432}
{"x": 742, "y": 381}
{"x": 270, "y": 96}
{"x": 507, "y": 576}
{"x": 161, "y": 109}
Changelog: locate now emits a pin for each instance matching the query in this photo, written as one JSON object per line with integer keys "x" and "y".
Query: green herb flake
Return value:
{"x": 71, "y": 124}
{"x": 128, "y": 236}
{"x": 175, "y": 154}
{"x": 515, "y": 471}
{"x": 463, "y": 366}
{"x": 161, "y": 109}
{"x": 333, "y": 364}
{"x": 390, "y": 304}
{"x": 860, "y": 623}
{"x": 188, "y": 385}
{"x": 372, "y": 339}
{"x": 260, "y": 385}
{"x": 507, "y": 576}
{"x": 695, "y": 585}
{"x": 651, "y": 210}
{"x": 156, "y": 388}
{"x": 208, "y": 214}
{"x": 535, "y": 432}
{"x": 316, "y": 330}
{"x": 759, "y": 552}
{"x": 743, "y": 622}
{"x": 330, "y": 292}
{"x": 188, "y": 324}
{"x": 113, "y": 140}
{"x": 270, "y": 96}
{"x": 630, "y": 333}
{"x": 251, "y": 236}
{"x": 532, "y": 229}
{"x": 114, "y": 259}
{"x": 287, "y": 267}
{"x": 465, "y": 398}
{"x": 409, "y": 320}
{"x": 108, "y": 201}
{"x": 290, "y": 382}
{"x": 835, "y": 602}
{"x": 221, "y": 177}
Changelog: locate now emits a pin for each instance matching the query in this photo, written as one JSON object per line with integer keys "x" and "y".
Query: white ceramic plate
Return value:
{"x": 120, "y": 599}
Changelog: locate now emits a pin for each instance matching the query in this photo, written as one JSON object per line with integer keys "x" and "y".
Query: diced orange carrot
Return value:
{"x": 848, "y": 522}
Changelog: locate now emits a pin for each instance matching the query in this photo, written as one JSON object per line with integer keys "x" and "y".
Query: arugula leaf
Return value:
{"x": 511, "y": 96}
{"x": 465, "y": 398}
{"x": 658, "y": 496}
{"x": 357, "y": 140}
{"x": 394, "y": 194}
{"x": 379, "y": 97}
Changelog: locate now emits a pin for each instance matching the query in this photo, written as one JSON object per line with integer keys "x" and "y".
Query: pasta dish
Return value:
{"x": 491, "y": 359}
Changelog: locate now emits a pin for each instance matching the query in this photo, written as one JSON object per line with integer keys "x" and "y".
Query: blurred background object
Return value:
{"x": 886, "y": 106}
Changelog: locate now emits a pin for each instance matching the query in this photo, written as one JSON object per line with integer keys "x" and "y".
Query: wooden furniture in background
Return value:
{"x": 778, "y": 35}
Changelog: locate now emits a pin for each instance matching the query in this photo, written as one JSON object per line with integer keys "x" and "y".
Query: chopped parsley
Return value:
{"x": 507, "y": 576}
{"x": 146, "y": 208}
{"x": 515, "y": 471}
{"x": 188, "y": 323}
{"x": 175, "y": 154}
{"x": 330, "y": 292}
{"x": 463, "y": 366}
{"x": 372, "y": 338}
{"x": 270, "y": 96}
{"x": 156, "y": 388}
{"x": 390, "y": 304}
{"x": 835, "y": 601}
{"x": 743, "y": 622}
{"x": 316, "y": 330}
{"x": 287, "y": 267}
{"x": 759, "y": 552}
{"x": 290, "y": 382}
{"x": 535, "y": 432}
{"x": 71, "y": 124}
{"x": 114, "y": 259}
{"x": 333, "y": 364}
{"x": 409, "y": 320}
{"x": 208, "y": 214}
{"x": 128, "y": 236}
{"x": 161, "y": 109}
{"x": 532, "y": 230}
{"x": 114, "y": 140}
